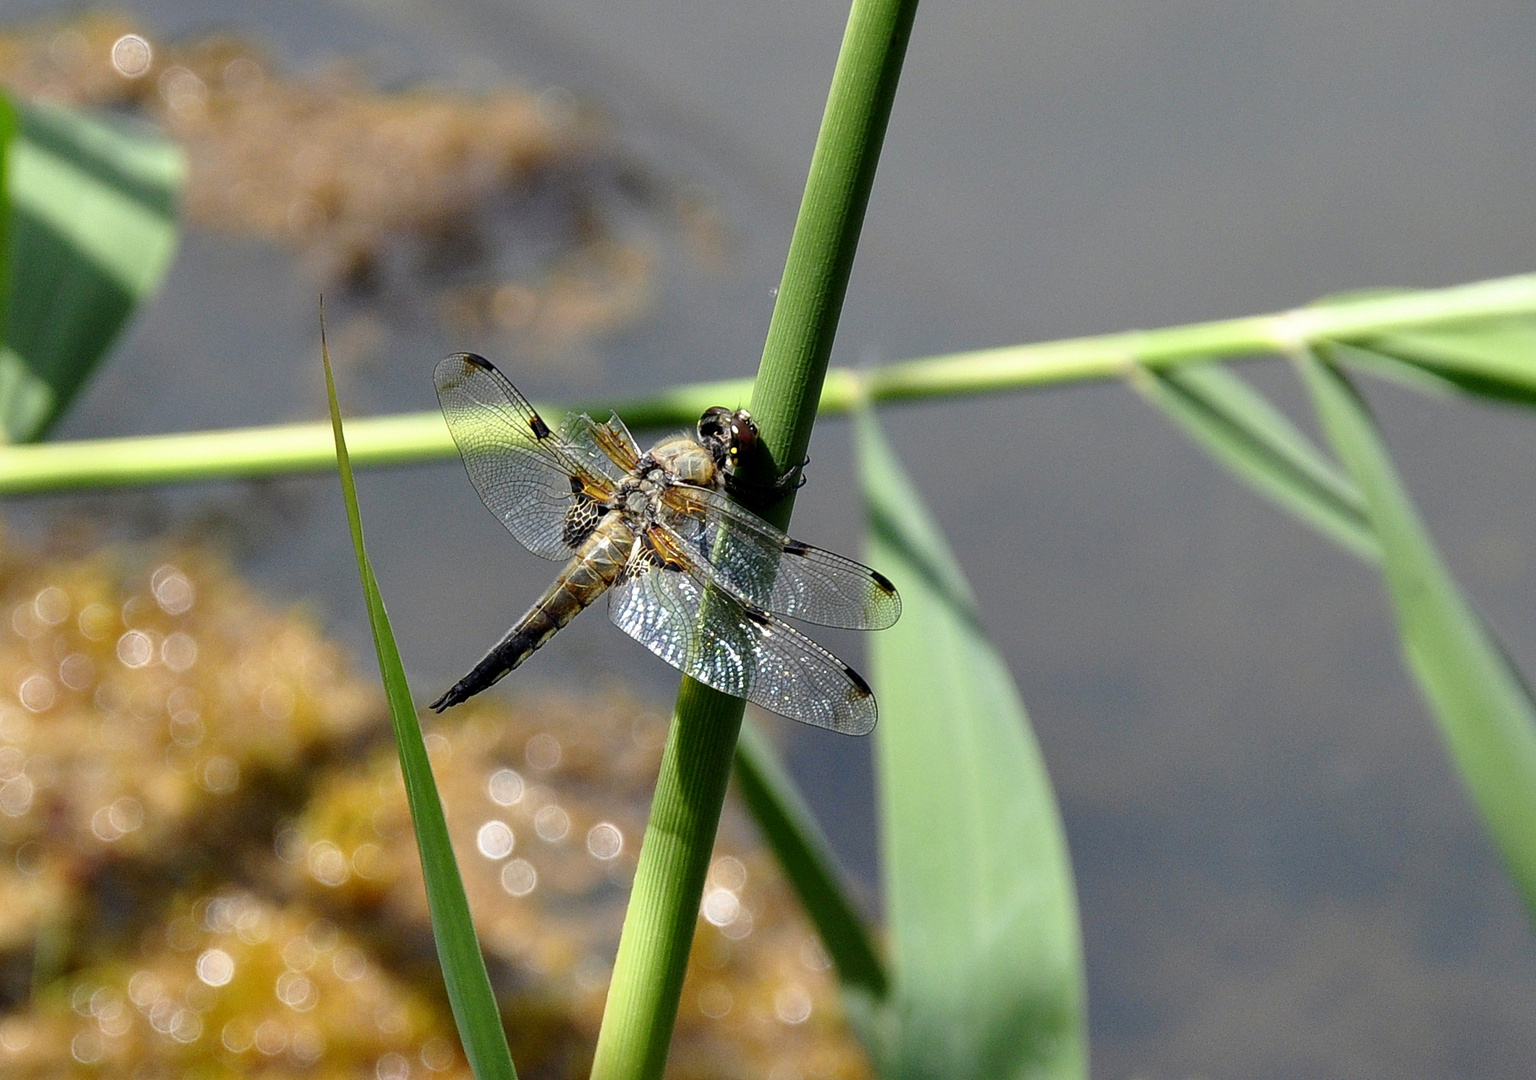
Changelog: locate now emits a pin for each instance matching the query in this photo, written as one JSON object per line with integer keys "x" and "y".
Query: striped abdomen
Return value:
{"x": 595, "y": 566}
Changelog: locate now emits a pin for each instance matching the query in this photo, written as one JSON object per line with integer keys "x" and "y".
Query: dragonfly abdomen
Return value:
{"x": 595, "y": 566}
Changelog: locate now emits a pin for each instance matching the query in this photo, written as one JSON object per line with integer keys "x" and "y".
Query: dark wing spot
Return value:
{"x": 540, "y": 428}
{"x": 858, "y": 681}
{"x": 577, "y": 487}
{"x": 479, "y": 362}
{"x": 882, "y": 581}
{"x": 796, "y": 547}
{"x": 757, "y": 615}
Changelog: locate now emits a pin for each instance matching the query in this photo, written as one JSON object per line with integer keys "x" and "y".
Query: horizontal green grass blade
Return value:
{"x": 92, "y": 230}
{"x": 981, "y": 905}
{"x": 458, "y": 948}
{"x": 397, "y": 440}
{"x": 1485, "y": 711}
{"x": 813, "y": 871}
{"x": 1261, "y": 447}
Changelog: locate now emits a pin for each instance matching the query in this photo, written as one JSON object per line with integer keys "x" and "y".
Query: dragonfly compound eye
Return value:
{"x": 722, "y": 431}
{"x": 743, "y": 431}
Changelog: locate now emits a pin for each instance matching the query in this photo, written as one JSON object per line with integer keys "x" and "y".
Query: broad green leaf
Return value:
{"x": 1260, "y": 446}
{"x": 92, "y": 230}
{"x": 1484, "y": 709}
{"x": 981, "y": 906}
{"x": 797, "y": 841}
{"x": 8, "y": 126}
{"x": 458, "y": 948}
{"x": 1488, "y": 357}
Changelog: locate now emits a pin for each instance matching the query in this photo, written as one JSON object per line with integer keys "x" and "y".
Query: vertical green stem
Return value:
{"x": 674, "y": 857}
{"x": 664, "y": 905}
{"x": 816, "y": 272}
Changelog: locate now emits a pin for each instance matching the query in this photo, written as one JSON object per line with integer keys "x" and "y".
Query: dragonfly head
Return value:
{"x": 728, "y": 436}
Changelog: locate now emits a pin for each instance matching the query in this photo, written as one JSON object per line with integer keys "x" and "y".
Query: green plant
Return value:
{"x": 90, "y": 227}
{"x": 983, "y": 975}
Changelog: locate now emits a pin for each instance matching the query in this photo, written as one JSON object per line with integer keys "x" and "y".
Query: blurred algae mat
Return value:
{"x": 207, "y": 866}
{"x": 508, "y": 216}
{"x": 206, "y": 861}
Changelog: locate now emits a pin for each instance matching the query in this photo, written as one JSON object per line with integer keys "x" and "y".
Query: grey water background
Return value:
{"x": 1279, "y": 875}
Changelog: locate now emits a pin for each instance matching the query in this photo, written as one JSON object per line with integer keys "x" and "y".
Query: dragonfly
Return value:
{"x": 696, "y": 578}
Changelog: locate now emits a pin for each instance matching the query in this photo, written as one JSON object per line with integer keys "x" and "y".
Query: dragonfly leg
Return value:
{"x": 755, "y": 494}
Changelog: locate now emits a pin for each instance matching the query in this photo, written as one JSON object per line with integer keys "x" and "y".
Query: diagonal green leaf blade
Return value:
{"x": 1493, "y": 358}
{"x": 1421, "y": 380}
{"x": 9, "y": 124}
{"x": 981, "y": 905}
{"x": 92, "y": 221}
{"x": 1485, "y": 711}
{"x": 1261, "y": 447}
{"x": 813, "y": 871}
{"x": 458, "y": 948}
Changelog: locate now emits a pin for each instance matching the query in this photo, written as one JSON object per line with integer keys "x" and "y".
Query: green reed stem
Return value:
{"x": 788, "y": 390}
{"x": 669, "y": 881}
{"x": 674, "y": 857}
{"x": 419, "y": 437}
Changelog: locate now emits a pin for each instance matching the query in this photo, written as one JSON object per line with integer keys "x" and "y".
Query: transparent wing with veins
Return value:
{"x": 683, "y": 617}
{"x": 607, "y": 448}
{"x": 526, "y": 474}
{"x": 765, "y": 568}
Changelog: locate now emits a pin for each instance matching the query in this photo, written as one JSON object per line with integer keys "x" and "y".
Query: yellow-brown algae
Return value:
{"x": 234, "y": 986}
{"x": 301, "y": 849}
{"x": 143, "y": 701}
{"x": 759, "y": 995}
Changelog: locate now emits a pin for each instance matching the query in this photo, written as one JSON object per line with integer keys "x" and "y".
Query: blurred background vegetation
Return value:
{"x": 1278, "y": 872}
{"x": 208, "y": 863}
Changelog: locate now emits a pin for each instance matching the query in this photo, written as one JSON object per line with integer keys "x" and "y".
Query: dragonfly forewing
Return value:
{"x": 515, "y": 461}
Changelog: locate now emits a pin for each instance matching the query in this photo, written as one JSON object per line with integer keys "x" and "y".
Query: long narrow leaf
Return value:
{"x": 93, "y": 227}
{"x": 1420, "y": 380}
{"x": 1484, "y": 709}
{"x": 1256, "y": 442}
{"x": 1490, "y": 358}
{"x": 808, "y": 862}
{"x": 458, "y": 948}
{"x": 9, "y": 124}
{"x": 981, "y": 905}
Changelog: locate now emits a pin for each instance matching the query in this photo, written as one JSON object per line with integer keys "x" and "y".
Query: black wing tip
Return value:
{"x": 450, "y": 369}
{"x": 863, "y": 697}
{"x": 858, "y": 682}
{"x": 883, "y": 581}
